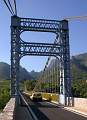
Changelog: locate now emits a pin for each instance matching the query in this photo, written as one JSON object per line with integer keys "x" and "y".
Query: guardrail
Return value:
{"x": 80, "y": 103}
{"x": 50, "y": 97}
{"x": 47, "y": 96}
{"x": 28, "y": 107}
{"x": 8, "y": 111}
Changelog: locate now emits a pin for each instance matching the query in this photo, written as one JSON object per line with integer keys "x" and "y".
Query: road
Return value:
{"x": 47, "y": 111}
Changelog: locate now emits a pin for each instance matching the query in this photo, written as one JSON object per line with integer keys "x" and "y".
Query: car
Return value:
{"x": 36, "y": 96}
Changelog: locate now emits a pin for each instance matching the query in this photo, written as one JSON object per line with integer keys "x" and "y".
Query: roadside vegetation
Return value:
{"x": 29, "y": 85}
{"x": 4, "y": 93}
{"x": 79, "y": 87}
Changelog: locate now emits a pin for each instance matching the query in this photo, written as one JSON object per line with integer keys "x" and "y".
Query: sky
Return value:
{"x": 45, "y": 9}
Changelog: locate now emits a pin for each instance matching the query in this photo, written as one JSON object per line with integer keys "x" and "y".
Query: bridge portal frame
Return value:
{"x": 60, "y": 49}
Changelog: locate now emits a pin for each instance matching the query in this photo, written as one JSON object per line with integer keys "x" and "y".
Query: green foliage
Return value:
{"x": 4, "y": 71}
{"x": 50, "y": 96}
{"x": 29, "y": 84}
{"x": 79, "y": 88}
{"x": 79, "y": 67}
{"x": 79, "y": 75}
{"x": 4, "y": 93}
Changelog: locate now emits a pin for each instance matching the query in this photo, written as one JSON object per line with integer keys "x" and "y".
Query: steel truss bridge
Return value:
{"x": 59, "y": 49}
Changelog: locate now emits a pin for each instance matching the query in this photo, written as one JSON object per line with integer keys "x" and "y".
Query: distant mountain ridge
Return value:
{"x": 78, "y": 68}
{"x": 24, "y": 74}
{"x": 4, "y": 71}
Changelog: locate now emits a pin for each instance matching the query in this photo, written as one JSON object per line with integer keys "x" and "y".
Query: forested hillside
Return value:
{"x": 5, "y": 72}
{"x": 78, "y": 69}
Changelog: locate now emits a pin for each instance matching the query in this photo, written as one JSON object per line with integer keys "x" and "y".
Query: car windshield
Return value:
{"x": 37, "y": 94}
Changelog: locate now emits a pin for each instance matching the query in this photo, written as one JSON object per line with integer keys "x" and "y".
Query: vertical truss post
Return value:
{"x": 49, "y": 78}
{"x": 52, "y": 75}
{"x": 65, "y": 79}
{"x": 15, "y": 48}
{"x": 55, "y": 75}
{"x": 46, "y": 79}
{"x": 57, "y": 81}
{"x": 43, "y": 80}
{"x": 53, "y": 79}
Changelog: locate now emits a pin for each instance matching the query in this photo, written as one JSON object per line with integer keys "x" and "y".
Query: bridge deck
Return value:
{"x": 44, "y": 111}
{"x": 22, "y": 113}
{"x": 48, "y": 111}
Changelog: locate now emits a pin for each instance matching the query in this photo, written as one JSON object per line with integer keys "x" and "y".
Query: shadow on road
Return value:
{"x": 44, "y": 104}
{"x": 41, "y": 108}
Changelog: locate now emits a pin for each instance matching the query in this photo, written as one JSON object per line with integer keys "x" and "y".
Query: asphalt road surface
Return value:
{"x": 47, "y": 111}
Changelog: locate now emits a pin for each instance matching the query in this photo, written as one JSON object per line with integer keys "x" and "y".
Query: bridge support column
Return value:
{"x": 15, "y": 59}
{"x": 65, "y": 78}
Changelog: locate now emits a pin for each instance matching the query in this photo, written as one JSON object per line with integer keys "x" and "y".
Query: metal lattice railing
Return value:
{"x": 49, "y": 79}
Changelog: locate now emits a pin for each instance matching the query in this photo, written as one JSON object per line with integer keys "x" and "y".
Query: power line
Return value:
{"x": 76, "y": 17}
{"x": 15, "y": 7}
{"x": 8, "y": 7}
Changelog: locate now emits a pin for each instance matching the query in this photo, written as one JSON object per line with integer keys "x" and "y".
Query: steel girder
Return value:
{"x": 15, "y": 59}
{"x": 60, "y": 48}
{"x": 39, "y": 49}
{"x": 65, "y": 76}
{"x": 41, "y": 25}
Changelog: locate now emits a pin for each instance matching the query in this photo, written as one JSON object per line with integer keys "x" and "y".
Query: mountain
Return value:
{"x": 5, "y": 72}
{"x": 78, "y": 69}
{"x": 34, "y": 74}
{"x": 78, "y": 66}
{"x": 24, "y": 74}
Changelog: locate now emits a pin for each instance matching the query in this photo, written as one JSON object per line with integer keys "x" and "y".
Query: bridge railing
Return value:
{"x": 9, "y": 110}
{"x": 50, "y": 97}
{"x": 80, "y": 103}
